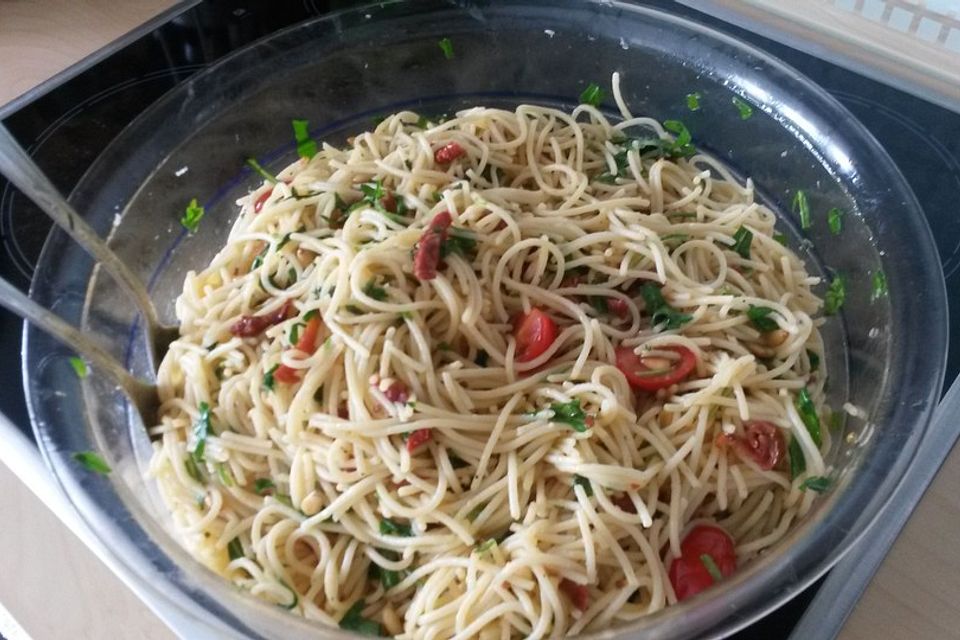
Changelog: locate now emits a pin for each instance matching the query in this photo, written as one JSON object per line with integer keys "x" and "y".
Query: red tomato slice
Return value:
{"x": 417, "y": 438}
{"x": 259, "y": 202}
{"x": 689, "y": 573}
{"x": 577, "y": 593}
{"x": 761, "y": 442}
{"x": 307, "y": 342}
{"x": 641, "y": 375}
{"x": 535, "y": 332}
{"x": 448, "y": 153}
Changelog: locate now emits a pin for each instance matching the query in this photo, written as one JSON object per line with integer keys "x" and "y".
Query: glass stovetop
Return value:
{"x": 66, "y": 128}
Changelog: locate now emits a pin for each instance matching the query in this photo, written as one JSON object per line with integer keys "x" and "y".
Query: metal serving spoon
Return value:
{"x": 20, "y": 169}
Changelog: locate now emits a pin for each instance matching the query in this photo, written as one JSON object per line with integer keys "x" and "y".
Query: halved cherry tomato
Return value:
{"x": 307, "y": 342}
{"x": 258, "y": 203}
{"x": 535, "y": 332}
{"x": 641, "y": 375}
{"x": 577, "y": 593}
{"x": 689, "y": 573}
{"x": 761, "y": 442}
{"x": 448, "y": 153}
{"x": 417, "y": 438}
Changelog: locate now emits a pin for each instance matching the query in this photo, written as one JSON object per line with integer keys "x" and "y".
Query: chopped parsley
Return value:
{"x": 79, "y": 367}
{"x": 780, "y": 237}
{"x": 592, "y": 95}
{"x": 192, "y": 469}
{"x": 798, "y": 464}
{"x": 599, "y": 303}
{"x": 388, "y": 577}
{"x": 814, "y": 360}
{"x": 476, "y": 511}
{"x": 459, "y": 241}
{"x": 266, "y": 175}
{"x": 446, "y": 45}
{"x": 741, "y": 242}
{"x": 680, "y": 147}
{"x": 377, "y": 293}
{"x": 201, "y": 429}
{"x": 486, "y": 546}
{"x": 835, "y": 295}
{"x": 580, "y": 481}
{"x": 570, "y": 413}
{"x": 258, "y": 261}
{"x": 711, "y": 567}
{"x": 306, "y": 146}
{"x": 816, "y": 483}
{"x": 801, "y": 207}
{"x": 294, "y": 336}
{"x": 835, "y": 220}
{"x": 226, "y": 478}
{"x": 353, "y": 620}
{"x": 262, "y": 485}
{"x": 660, "y": 312}
{"x": 235, "y": 549}
{"x": 878, "y": 287}
{"x": 693, "y": 101}
{"x": 192, "y": 216}
{"x": 808, "y": 414}
{"x": 390, "y": 528}
{"x": 759, "y": 318}
{"x": 745, "y": 110}
{"x": 268, "y": 381}
{"x": 92, "y": 462}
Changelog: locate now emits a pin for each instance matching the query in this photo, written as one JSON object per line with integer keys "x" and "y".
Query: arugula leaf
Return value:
{"x": 814, "y": 360}
{"x": 798, "y": 463}
{"x": 592, "y": 95}
{"x": 583, "y": 482}
{"x": 235, "y": 549}
{"x": 353, "y": 620}
{"x": 835, "y": 220}
{"x": 816, "y": 483}
{"x": 741, "y": 242}
{"x": 835, "y": 295}
{"x": 268, "y": 381}
{"x": 79, "y": 367}
{"x": 745, "y": 110}
{"x": 192, "y": 216}
{"x": 377, "y": 293}
{"x": 390, "y": 528}
{"x": 879, "y": 286}
{"x": 570, "y": 413}
{"x": 266, "y": 175}
{"x": 780, "y": 237}
{"x": 693, "y": 101}
{"x": 201, "y": 429}
{"x": 801, "y": 206}
{"x": 758, "y": 317}
{"x": 711, "y": 567}
{"x": 92, "y": 462}
{"x": 661, "y": 312}
{"x": 306, "y": 146}
{"x": 262, "y": 485}
{"x": 808, "y": 414}
{"x": 446, "y": 45}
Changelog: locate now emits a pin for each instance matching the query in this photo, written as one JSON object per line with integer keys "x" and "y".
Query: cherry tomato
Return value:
{"x": 417, "y": 438}
{"x": 259, "y": 202}
{"x": 307, "y": 342}
{"x": 397, "y": 392}
{"x": 535, "y": 332}
{"x": 761, "y": 442}
{"x": 448, "y": 153}
{"x": 249, "y": 326}
{"x": 577, "y": 593}
{"x": 618, "y": 307}
{"x": 426, "y": 257}
{"x": 648, "y": 372}
{"x": 690, "y": 573}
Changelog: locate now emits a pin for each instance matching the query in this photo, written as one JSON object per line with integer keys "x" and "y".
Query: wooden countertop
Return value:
{"x": 54, "y": 587}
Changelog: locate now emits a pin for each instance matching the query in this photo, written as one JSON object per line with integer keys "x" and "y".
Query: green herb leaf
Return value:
{"x": 693, "y": 101}
{"x": 808, "y": 413}
{"x": 262, "y": 485}
{"x": 201, "y": 429}
{"x": 801, "y": 207}
{"x": 741, "y": 242}
{"x": 446, "y": 45}
{"x": 390, "y": 528}
{"x": 814, "y": 360}
{"x": 258, "y": 261}
{"x": 570, "y": 413}
{"x": 745, "y": 110}
{"x": 798, "y": 463}
{"x": 660, "y": 312}
{"x": 711, "y": 567}
{"x": 459, "y": 241}
{"x": 835, "y": 295}
{"x": 266, "y": 175}
{"x": 759, "y": 319}
{"x": 583, "y": 482}
{"x": 192, "y": 469}
{"x": 599, "y": 303}
{"x": 235, "y": 549}
{"x": 79, "y": 367}
{"x": 92, "y": 462}
{"x": 681, "y": 147}
{"x": 294, "y": 336}
{"x": 816, "y": 483}
{"x": 879, "y": 286}
{"x": 835, "y": 220}
{"x": 192, "y": 216}
{"x": 476, "y": 511}
{"x": 226, "y": 478}
{"x": 268, "y": 381}
{"x": 592, "y": 95}
{"x": 375, "y": 292}
{"x": 780, "y": 237}
{"x": 306, "y": 146}
{"x": 353, "y": 620}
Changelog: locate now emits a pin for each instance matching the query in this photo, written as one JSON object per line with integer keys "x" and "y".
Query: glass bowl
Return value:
{"x": 886, "y": 356}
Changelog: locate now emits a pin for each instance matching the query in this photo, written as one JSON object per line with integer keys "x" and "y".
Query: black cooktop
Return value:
{"x": 66, "y": 127}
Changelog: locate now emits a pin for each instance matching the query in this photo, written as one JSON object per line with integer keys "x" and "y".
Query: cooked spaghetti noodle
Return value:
{"x": 357, "y": 426}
